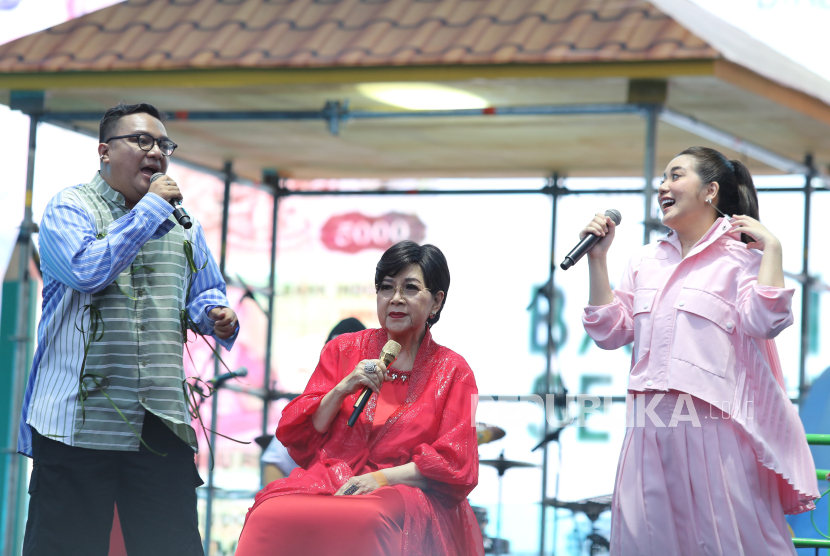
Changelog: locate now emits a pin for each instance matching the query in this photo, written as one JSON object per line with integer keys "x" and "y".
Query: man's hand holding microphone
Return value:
{"x": 166, "y": 188}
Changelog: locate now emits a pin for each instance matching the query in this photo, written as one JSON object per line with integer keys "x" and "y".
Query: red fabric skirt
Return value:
{"x": 301, "y": 524}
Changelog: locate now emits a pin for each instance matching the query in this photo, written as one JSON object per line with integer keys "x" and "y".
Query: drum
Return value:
{"x": 481, "y": 517}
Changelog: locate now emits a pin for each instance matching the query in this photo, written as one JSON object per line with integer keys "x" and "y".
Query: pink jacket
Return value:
{"x": 702, "y": 325}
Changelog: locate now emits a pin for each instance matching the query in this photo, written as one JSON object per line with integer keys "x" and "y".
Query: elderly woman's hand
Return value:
{"x": 364, "y": 483}
{"x": 360, "y": 378}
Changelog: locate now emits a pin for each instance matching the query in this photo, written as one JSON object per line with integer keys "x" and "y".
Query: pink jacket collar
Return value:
{"x": 721, "y": 227}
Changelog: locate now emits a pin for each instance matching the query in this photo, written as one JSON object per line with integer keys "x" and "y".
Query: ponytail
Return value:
{"x": 747, "y": 196}
{"x": 737, "y": 194}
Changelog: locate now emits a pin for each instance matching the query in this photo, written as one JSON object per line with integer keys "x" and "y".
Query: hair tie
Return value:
{"x": 729, "y": 164}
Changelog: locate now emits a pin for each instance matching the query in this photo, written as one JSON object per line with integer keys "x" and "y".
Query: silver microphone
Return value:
{"x": 587, "y": 242}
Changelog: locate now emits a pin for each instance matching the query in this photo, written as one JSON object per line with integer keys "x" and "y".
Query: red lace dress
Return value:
{"x": 433, "y": 427}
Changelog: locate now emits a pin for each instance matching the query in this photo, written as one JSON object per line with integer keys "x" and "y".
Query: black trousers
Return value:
{"x": 73, "y": 491}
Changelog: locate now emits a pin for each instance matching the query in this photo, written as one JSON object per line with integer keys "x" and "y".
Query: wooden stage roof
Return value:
{"x": 295, "y": 55}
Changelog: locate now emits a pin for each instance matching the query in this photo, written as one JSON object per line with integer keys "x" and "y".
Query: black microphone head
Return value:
{"x": 155, "y": 176}
{"x": 614, "y": 215}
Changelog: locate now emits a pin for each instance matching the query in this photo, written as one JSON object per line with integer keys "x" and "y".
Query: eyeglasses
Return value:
{"x": 409, "y": 291}
{"x": 146, "y": 141}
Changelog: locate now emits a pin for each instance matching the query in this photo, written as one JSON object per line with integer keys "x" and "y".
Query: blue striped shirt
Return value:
{"x": 77, "y": 260}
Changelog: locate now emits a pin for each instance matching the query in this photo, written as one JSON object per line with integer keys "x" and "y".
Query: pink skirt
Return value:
{"x": 693, "y": 490}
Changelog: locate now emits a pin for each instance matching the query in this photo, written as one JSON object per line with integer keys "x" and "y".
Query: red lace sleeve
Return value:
{"x": 450, "y": 464}
{"x": 296, "y": 430}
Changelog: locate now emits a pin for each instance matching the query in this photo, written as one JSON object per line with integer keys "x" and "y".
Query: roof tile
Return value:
{"x": 167, "y": 34}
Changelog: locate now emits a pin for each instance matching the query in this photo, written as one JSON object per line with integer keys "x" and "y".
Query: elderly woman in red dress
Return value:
{"x": 396, "y": 483}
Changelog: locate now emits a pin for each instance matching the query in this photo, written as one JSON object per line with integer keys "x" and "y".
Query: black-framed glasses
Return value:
{"x": 145, "y": 142}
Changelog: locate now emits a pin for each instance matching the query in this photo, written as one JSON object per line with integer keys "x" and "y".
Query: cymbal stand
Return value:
{"x": 554, "y": 437}
{"x": 497, "y": 544}
{"x": 556, "y": 493}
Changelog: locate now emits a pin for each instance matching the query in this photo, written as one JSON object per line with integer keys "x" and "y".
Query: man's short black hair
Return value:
{"x": 117, "y": 112}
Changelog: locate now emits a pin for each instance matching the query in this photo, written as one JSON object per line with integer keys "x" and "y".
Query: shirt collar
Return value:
{"x": 107, "y": 192}
{"x": 721, "y": 227}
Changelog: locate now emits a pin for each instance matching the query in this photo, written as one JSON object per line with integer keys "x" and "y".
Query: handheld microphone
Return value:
{"x": 181, "y": 215}
{"x": 388, "y": 355}
{"x": 587, "y": 242}
{"x": 218, "y": 381}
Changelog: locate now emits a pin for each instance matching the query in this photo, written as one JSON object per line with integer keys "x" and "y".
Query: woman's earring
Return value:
{"x": 717, "y": 209}
{"x": 432, "y": 315}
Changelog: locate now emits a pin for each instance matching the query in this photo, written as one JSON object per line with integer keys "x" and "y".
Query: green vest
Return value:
{"x": 139, "y": 345}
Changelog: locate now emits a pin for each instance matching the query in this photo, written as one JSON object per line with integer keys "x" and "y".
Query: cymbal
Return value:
{"x": 591, "y": 507}
{"x": 488, "y": 433}
{"x": 264, "y": 440}
{"x": 503, "y": 465}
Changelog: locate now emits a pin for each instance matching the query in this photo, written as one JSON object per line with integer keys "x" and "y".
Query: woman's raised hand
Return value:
{"x": 762, "y": 237}
{"x": 360, "y": 378}
{"x": 603, "y": 227}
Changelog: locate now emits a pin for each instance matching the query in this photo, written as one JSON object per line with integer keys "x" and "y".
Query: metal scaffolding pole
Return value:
{"x": 214, "y": 406}
{"x": 553, "y": 188}
{"x": 650, "y": 224}
{"x": 21, "y": 354}
{"x": 807, "y": 284}
{"x": 275, "y": 182}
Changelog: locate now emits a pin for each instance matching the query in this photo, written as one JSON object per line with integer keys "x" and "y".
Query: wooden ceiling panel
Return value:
{"x": 479, "y": 146}
{"x": 755, "y": 118}
{"x": 504, "y": 92}
{"x": 421, "y": 148}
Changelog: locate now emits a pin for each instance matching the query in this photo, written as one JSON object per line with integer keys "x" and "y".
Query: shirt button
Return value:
{"x": 143, "y": 399}
{"x": 682, "y": 303}
{"x": 649, "y": 383}
{"x": 645, "y": 306}
{"x": 723, "y": 228}
{"x": 144, "y": 363}
{"x": 729, "y": 326}
{"x": 142, "y": 327}
{"x": 139, "y": 293}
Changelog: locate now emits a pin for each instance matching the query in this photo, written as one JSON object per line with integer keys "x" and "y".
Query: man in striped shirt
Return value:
{"x": 105, "y": 416}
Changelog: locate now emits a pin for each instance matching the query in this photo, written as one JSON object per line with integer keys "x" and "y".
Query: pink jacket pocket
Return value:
{"x": 704, "y": 334}
{"x": 643, "y": 303}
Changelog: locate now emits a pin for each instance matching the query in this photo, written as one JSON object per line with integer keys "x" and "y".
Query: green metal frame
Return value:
{"x": 821, "y": 475}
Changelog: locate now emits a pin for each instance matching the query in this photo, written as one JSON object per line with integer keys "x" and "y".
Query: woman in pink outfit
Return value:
{"x": 715, "y": 453}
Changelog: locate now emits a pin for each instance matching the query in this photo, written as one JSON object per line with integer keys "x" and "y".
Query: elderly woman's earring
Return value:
{"x": 432, "y": 315}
